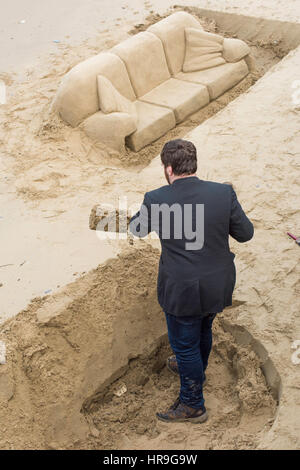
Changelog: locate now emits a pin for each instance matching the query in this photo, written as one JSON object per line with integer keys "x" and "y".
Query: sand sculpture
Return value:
{"x": 147, "y": 84}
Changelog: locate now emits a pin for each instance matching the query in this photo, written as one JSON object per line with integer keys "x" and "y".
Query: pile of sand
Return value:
{"x": 62, "y": 349}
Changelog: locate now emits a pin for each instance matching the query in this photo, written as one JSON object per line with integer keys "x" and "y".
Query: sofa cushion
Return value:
{"x": 235, "y": 50}
{"x": 171, "y": 32}
{"x": 111, "y": 101}
{"x": 77, "y": 97}
{"x": 203, "y": 50}
{"x": 218, "y": 79}
{"x": 145, "y": 60}
{"x": 109, "y": 129}
{"x": 153, "y": 122}
{"x": 182, "y": 97}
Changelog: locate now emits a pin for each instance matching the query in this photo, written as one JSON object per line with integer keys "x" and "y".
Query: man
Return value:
{"x": 196, "y": 278}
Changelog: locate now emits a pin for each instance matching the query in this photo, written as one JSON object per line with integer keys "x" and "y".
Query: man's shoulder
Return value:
{"x": 159, "y": 193}
{"x": 213, "y": 185}
{"x": 168, "y": 191}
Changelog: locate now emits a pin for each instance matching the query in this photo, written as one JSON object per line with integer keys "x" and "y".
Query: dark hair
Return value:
{"x": 181, "y": 155}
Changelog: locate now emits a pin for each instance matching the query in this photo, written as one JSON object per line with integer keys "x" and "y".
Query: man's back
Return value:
{"x": 194, "y": 219}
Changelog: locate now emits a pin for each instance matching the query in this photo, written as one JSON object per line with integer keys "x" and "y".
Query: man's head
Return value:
{"x": 179, "y": 158}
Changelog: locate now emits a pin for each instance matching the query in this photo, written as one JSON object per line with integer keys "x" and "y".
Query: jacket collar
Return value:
{"x": 187, "y": 178}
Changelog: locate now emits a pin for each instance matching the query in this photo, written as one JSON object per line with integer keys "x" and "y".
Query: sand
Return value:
{"x": 68, "y": 355}
{"x": 70, "y": 21}
{"x": 236, "y": 396}
{"x": 52, "y": 175}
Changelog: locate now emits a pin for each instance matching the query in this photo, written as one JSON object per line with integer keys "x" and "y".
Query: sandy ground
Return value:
{"x": 39, "y": 260}
{"x": 69, "y": 21}
{"x": 52, "y": 175}
{"x": 60, "y": 175}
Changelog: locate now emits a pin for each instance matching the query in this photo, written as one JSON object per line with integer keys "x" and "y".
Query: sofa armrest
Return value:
{"x": 110, "y": 129}
{"x": 234, "y": 50}
{"x": 250, "y": 61}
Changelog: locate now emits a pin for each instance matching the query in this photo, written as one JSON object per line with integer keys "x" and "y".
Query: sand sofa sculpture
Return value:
{"x": 144, "y": 86}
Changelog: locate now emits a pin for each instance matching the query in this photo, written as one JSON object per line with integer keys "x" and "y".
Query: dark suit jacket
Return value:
{"x": 195, "y": 281}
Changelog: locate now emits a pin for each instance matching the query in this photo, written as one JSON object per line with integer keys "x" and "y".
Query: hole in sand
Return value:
{"x": 240, "y": 401}
{"x": 68, "y": 353}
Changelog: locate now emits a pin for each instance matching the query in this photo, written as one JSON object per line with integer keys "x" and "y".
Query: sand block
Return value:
{"x": 110, "y": 129}
{"x": 77, "y": 97}
{"x": 182, "y": 97}
{"x": 110, "y": 219}
{"x": 153, "y": 122}
{"x": 145, "y": 60}
{"x": 218, "y": 79}
{"x": 170, "y": 31}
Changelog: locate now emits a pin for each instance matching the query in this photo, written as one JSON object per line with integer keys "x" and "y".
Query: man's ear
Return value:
{"x": 169, "y": 170}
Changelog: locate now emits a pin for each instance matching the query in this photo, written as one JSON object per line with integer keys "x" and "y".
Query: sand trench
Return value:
{"x": 68, "y": 353}
{"x": 237, "y": 397}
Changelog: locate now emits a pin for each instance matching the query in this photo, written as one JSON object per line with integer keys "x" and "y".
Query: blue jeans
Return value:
{"x": 191, "y": 340}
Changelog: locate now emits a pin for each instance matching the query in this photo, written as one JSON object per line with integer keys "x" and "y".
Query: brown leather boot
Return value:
{"x": 175, "y": 404}
{"x": 172, "y": 366}
{"x": 182, "y": 413}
